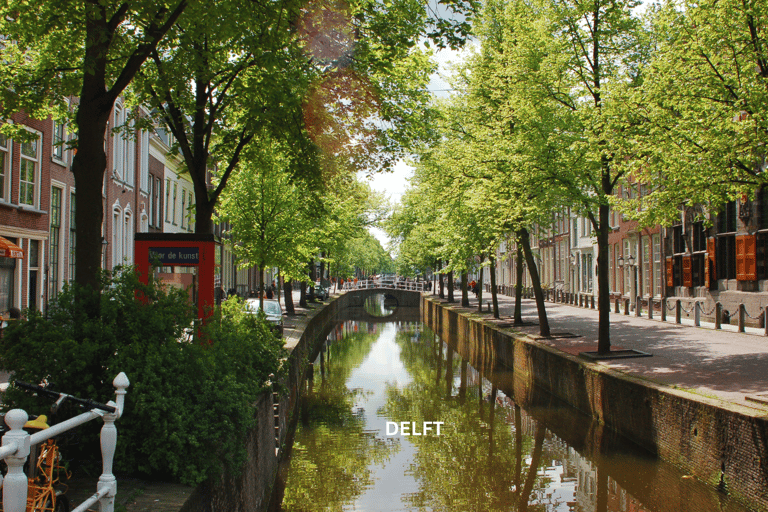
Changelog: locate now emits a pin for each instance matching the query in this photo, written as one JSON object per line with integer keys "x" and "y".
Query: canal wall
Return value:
{"x": 721, "y": 444}
{"x": 250, "y": 489}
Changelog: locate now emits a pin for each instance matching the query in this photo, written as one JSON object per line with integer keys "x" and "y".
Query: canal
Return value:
{"x": 395, "y": 419}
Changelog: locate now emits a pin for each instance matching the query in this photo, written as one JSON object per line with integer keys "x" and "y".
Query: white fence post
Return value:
{"x": 108, "y": 444}
{"x": 15, "y": 484}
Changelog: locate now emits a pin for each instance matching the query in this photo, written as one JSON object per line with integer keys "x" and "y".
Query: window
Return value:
{"x": 146, "y": 179}
{"x": 657, "y": 265}
{"x": 127, "y": 238}
{"x": 646, "y": 269}
{"x": 156, "y": 209}
{"x": 762, "y": 209}
{"x": 678, "y": 242}
{"x": 29, "y": 167}
{"x": 183, "y": 206}
{"x": 150, "y": 201}
{"x": 699, "y": 237}
{"x": 72, "y": 236}
{"x": 130, "y": 155}
{"x": 58, "y": 138}
{"x": 117, "y": 238}
{"x": 725, "y": 259}
{"x": 54, "y": 243}
{"x": 175, "y": 192}
{"x": 5, "y": 166}
{"x": 167, "y": 200}
{"x": 118, "y": 145}
{"x": 726, "y": 219}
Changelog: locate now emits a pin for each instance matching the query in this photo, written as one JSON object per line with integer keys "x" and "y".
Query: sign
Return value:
{"x": 175, "y": 255}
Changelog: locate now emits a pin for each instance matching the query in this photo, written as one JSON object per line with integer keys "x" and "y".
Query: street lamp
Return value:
{"x": 631, "y": 263}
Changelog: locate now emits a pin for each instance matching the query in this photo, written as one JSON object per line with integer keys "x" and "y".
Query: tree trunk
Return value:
{"x": 494, "y": 295}
{"x": 535, "y": 281}
{"x": 480, "y": 285}
{"x": 450, "y": 287}
{"x": 303, "y": 294}
{"x": 533, "y": 469}
{"x": 464, "y": 291}
{"x": 288, "y": 291}
{"x": 518, "y": 318}
{"x": 603, "y": 286}
{"x": 262, "y": 275}
{"x": 88, "y": 167}
{"x": 442, "y": 286}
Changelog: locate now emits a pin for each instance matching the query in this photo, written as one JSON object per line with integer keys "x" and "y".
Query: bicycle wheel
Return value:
{"x": 62, "y": 504}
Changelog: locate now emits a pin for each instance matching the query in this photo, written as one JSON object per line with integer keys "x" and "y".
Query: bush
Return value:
{"x": 189, "y": 405}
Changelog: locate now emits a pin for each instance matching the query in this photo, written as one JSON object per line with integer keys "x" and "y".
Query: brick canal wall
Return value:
{"x": 719, "y": 443}
{"x": 250, "y": 490}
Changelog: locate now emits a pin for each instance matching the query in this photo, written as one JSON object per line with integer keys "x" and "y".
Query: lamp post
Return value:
{"x": 633, "y": 268}
{"x": 572, "y": 260}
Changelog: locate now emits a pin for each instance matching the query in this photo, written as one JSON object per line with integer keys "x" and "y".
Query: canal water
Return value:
{"x": 394, "y": 419}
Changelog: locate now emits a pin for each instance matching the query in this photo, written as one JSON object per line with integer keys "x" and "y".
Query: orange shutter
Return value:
{"x": 746, "y": 257}
{"x": 670, "y": 273}
{"x": 687, "y": 271}
{"x": 710, "y": 278}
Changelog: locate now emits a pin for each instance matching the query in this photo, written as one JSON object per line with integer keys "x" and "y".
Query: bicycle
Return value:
{"x": 46, "y": 492}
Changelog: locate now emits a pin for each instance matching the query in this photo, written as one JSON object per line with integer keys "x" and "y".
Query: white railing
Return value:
{"x": 17, "y": 442}
{"x": 393, "y": 284}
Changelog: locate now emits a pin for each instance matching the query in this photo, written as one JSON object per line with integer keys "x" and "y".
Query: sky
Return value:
{"x": 393, "y": 184}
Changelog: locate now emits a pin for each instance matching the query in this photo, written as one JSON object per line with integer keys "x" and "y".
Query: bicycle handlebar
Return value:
{"x": 60, "y": 397}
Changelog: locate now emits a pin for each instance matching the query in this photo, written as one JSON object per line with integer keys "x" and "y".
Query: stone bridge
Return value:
{"x": 405, "y": 303}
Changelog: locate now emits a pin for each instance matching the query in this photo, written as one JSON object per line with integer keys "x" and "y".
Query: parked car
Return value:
{"x": 272, "y": 309}
{"x": 322, "y": 292}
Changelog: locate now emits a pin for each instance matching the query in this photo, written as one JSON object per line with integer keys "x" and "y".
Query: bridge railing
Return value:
{"x": 17, "y": 442}
{"x": 393, "y": 284}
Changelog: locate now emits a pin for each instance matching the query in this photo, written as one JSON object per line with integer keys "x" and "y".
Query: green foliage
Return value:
{"x": 189, "y": 404}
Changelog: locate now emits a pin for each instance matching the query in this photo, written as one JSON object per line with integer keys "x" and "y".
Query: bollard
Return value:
{"x": 742, "y": 317}
{"x": 718, "y": 315}
{"x": 638, "y": 304}
{"x": 626, "y": 306}
{"x": 678, "y": 311}
{"x": 696, "y": 314}
{"x": 663, "y": 309}
{"x": 765, "y": 321}
{"x": 650, "y": 308}
{"x": 580, "y": 300}
{"x": 592, "y": 302}
{"x": 616, "y": 306}
{"x": 489, "y": 306}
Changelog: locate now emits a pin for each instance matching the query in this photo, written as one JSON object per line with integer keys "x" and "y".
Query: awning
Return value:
{"x": 9, "y": 249}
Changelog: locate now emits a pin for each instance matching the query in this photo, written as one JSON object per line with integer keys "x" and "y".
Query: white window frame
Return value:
{"x": 127, "y": 232}
{"x": 59, "y": 146}
{"x": 37, "y": 161}
{"x": 144, "y": 162}
{"x": 117, "y": 238}
{"x": 117, "y": 143}
{"x": 6, "y": 159}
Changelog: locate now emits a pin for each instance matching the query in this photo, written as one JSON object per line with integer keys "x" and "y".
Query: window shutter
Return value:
{"x": 670, "y": 273}
{"x": 710, "y": 278}
{"x": 746, "y": 257}
{"x": 687, "y": 271}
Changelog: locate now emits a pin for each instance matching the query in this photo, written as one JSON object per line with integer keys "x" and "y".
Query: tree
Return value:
{"x": 232, "y": 71}
{"x": 699, "y": 118}
{"x": 564, "y": 59}
{"x": 270, "y": 225}
{"x": 90, "y": 51}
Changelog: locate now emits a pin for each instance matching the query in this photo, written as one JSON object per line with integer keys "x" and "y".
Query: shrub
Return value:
{"x": 189, "y": 405}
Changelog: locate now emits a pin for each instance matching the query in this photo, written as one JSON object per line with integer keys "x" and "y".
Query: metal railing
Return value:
{"x": 393, "y": 284}
{"x": 17, "y": 442}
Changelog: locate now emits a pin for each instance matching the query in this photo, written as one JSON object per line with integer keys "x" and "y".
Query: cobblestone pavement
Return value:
{"x": 722, "y": 364}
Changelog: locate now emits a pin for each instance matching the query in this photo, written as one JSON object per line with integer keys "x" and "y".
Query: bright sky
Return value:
{"x": 393, "y": 184}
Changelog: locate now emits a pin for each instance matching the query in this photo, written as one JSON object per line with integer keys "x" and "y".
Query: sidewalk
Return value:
{"x": 722, "y": 364}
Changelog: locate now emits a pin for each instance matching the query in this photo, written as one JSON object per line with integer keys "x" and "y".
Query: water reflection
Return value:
{"x": 493, "y": 454}
{"x": 380, "y": 305}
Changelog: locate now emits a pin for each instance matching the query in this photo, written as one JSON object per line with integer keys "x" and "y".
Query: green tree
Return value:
{"x": 90, "y": 51}
{"x": 699, "y": 118}
{"x": 268, "y": 213}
